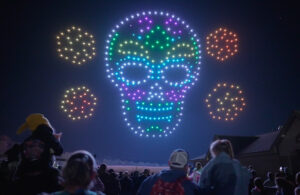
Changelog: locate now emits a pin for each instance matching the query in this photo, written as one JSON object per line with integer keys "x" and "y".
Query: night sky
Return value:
{"x": 33, "y": 78}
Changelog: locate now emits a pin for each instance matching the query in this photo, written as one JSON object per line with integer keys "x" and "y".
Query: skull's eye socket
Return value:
{"x": 134, "y": 74}
{"x": 176, "y": 75}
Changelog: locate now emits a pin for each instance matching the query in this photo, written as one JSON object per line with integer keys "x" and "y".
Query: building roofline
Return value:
{"x": 284, "y": 129}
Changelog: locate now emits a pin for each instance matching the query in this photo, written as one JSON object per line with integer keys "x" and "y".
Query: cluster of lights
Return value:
{"x": 145, "y": 24}
{"x": 168, "y": 106}
{"x": 78, "y": 103}
{"x": 173, "y": 26}
{"x": 154, "y": 42}
{"x": 158, "y": 39}
{"x": 176, "y": 95}
{"x": 222, "y": 44}
{"x": 154, "y": 128}
{"x": 191, "y": 51}
{"x": 141, "y": 117}
{"x": 76, "y": 46}
{"x": 225, "y": 102}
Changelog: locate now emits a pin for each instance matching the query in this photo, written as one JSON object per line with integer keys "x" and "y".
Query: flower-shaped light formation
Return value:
{"x": 78, "y": 103}
{"x": 225, "y": 102}
{"x": 222, "y": 44}
{"x": 76, "y": 45}
{"x": 153, "y": 58}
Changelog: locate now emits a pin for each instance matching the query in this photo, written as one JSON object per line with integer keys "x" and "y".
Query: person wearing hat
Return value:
{"x": 172, "y": 181}
{"x": 34, "y": 173}
{"x": 41, "y": 130}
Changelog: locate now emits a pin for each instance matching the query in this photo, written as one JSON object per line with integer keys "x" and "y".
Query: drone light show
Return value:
{"x": 222, "y": 44}
{"x": 225, "y": 102}
{"x": 78, "y": 103}
{"x": 76, "y": 46}
{"x": 153, "y": 58}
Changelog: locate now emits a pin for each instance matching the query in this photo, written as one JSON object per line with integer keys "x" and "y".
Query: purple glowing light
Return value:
{"x": 145, "y": 24}
{"x": 172, "y": 25}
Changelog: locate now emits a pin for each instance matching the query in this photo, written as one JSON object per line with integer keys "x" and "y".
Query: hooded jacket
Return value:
{"x": 168, "y": 176}
{"x": 223, "y": 175}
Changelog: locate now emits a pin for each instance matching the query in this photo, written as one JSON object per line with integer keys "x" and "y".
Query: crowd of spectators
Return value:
{"x": 27, "y": 168}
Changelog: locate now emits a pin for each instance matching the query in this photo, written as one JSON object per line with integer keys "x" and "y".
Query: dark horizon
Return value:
{"x": 34, "y": 78}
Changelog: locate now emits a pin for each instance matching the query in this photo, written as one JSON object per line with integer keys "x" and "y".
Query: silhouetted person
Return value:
{"x": 297, "y": 179}
{"x": 34, "y": 174}
{"x": 135, "y": 181}
{"x": 78, "y": 173}
{"x": 197, "y": 173}
{"x": 126, "y": 184}
{"x": 253, "y": 175}
{"x": 141, "y": 178}
{"x": 297, "y": 191}
{"x": 258, "y": 187}
{"x": 113, "y": 186}
{"x": 120, "y": 175}
{"x": 223, "y": 174}
{"x": 283, "y": 186}
{"x": 98, "y": 185}
{"x": 172, "y": 181}
{"x": 270, "y": 181}
{"x": 103, "y": 175}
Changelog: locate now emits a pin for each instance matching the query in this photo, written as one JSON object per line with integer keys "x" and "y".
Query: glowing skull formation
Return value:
{"x": 153, "y": 58}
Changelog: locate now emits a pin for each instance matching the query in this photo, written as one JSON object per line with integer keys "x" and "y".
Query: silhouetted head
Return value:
{"x": 79, "y": 170}
{"x": 220, "y": 146}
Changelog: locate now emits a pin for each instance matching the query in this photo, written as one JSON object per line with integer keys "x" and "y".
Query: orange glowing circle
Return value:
{"x": 225, "y": 102}
{"x": 78, "y": 103}
{"x": 222, "y": 44}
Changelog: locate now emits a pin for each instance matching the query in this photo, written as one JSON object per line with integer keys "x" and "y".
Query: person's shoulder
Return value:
{"x": 190, "y": 187}
{"x": 51, "y": 171}
{"x": 152, "y": 177}
{"x": 189, "y": 182}
{"x": 149, "y": 181}
{"x": 60, "y": 193}
{"x": 90, "y": 193}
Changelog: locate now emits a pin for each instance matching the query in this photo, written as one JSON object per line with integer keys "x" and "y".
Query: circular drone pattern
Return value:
{"x": 225, "y": 102}
{"x": 78, "y": 103}
{"x": 222, "y": 44}
{"x": 76, "y": 46}
{"x": 153, "y": 58}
